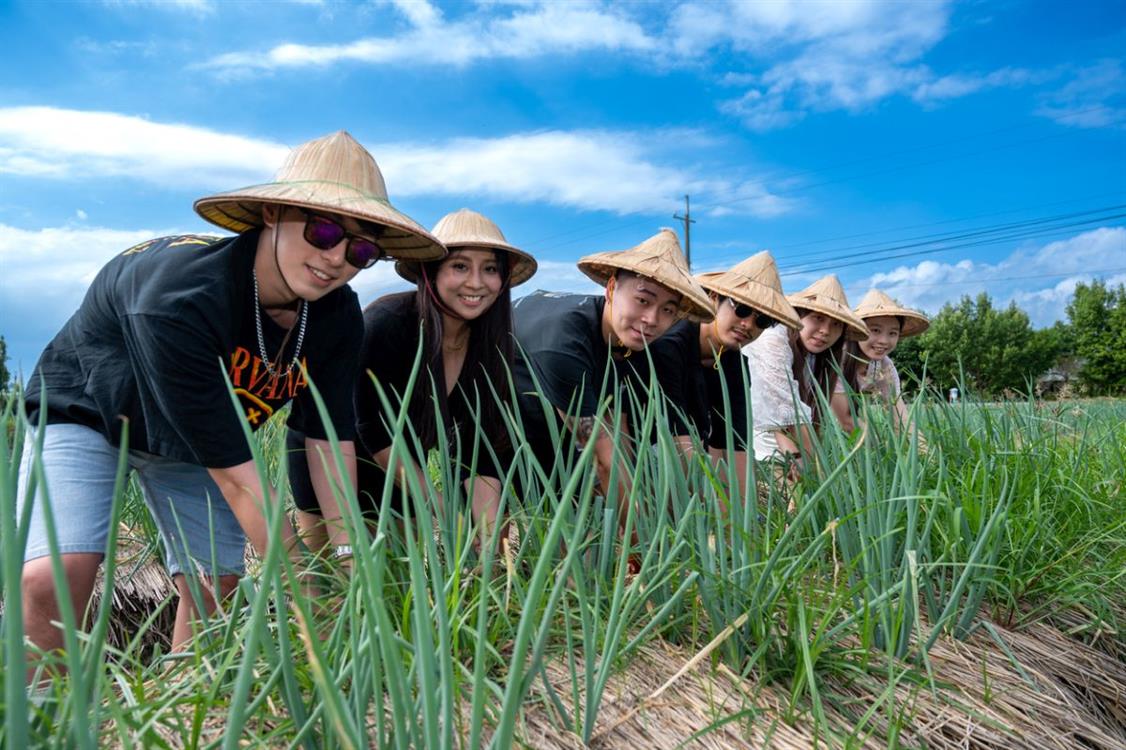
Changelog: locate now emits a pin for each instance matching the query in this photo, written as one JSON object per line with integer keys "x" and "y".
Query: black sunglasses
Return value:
{"x": 742, "y": 311}
{"x": 324, "y": 233}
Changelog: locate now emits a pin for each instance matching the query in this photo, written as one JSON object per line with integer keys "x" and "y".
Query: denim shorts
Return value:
{"x": 79, "y": 467}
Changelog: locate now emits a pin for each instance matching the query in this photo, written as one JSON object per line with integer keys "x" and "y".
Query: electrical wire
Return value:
{"x": 1088, "y": 272}
{"x": 813, "y": 266}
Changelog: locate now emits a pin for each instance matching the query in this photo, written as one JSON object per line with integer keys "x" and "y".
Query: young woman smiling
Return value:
{"x": 460, "y": 314}
{"x": 696, "y": 364}
{"x": 868, "y": 369}
{"x": 788, "y": 368}
{"x": 568, "y": 342}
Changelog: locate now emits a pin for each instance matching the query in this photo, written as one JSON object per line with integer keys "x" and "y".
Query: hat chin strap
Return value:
{"x": 442, "y": 306}
{"x": 610, "y": 299}
{"x": 277, "y": 263}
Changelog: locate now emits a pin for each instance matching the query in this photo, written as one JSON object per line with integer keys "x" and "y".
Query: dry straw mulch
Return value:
{"x": 141, "y": 585}
{"x": 1063, "y": 694}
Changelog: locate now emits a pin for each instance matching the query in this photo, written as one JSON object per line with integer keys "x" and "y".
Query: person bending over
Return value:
{"x": 569, "y": 344}
{"x": 790, "y": 368}
{"x": 868, "y": 368}
{"x": 162, "y": 327}
{"x": 461, "y": 312}
{"x": 696, "y": 364}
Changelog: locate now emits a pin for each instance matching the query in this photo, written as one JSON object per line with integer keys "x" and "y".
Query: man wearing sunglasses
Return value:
{"x": 148, "y": 356}
{"x": 700, "y": 368}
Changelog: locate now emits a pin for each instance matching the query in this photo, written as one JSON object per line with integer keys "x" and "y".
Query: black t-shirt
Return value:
{"x": 697, "y": 391}
{"x": 392, "y": 331}
{"x": 560, "y": 335}
{"x": 153, "y": 335}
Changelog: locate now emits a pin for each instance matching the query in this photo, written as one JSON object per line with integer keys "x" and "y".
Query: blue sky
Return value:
{"x": 931, "y": 148}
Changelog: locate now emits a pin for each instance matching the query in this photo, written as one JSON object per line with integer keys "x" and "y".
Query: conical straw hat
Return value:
{"x": 754, "y": 282}
{"x": 465, "y": 228}
{"x": 660, "y": 259}
{"x": 333, "y": 174}
{"x": 876, "y": 304}
{"x": 826, "y": 295}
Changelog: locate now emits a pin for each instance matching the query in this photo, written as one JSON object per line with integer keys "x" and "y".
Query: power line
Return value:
{"x": 1089, "y": 272}
{"x": 928, "y": 239}
{"x": 931, "y": 239}
{"x": 1041, "y": 232}
{"x": 719, "y": 260}
{"x": 971, "y": 217}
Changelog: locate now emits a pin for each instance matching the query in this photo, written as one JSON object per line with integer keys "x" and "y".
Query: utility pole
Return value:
{"x": 688, "y": 222}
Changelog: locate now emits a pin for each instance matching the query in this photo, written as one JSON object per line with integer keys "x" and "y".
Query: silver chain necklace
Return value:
{"x": 262, "y": 339}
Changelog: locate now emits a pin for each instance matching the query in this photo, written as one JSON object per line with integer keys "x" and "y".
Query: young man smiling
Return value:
{"x": 162, "y": 327}
{"x": 566, "y": 342}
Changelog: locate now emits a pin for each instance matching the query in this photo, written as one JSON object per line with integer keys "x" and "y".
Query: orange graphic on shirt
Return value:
{"x": 257, "y": 410}
{"x": 259, "y": 392}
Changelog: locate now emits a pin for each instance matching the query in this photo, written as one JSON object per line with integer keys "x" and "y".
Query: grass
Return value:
{"x": 840, "y": 625}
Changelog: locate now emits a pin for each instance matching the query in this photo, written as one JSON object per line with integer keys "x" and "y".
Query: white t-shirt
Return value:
{"x": 880, "y": 378}
{"x": 774, "y": 392}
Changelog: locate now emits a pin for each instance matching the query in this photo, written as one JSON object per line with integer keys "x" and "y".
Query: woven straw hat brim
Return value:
{"x": 854, "y": 326}
{"x": 876, "y": 304}
{"x": 695, "y": 303}
{"x": 241, "y": 210}
{"x": 913, "y": 323}
{"x": 750, "y": 292}
{"x": 522, "y": 265}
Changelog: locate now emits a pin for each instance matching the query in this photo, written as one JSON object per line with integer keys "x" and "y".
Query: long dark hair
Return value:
{"x": 488, "y": 359}
{"x": 855, "y": 360}
{"x": 825, "y": 366}
{"x": 852, "y": 361}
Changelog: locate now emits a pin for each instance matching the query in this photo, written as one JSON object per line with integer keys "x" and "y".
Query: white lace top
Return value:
{"x": 880, "y": 378}
{"x": 774, "y": 392}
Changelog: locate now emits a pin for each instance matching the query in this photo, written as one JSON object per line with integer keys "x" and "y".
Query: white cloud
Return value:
{"x": 418, "y": 12}
{"x": 819, "y": 56}
{"x": 558, "y": 277}
{"x": 89, "y": 46}
{"x": 958, "y": 85}
{"x": 46, "y": 273}
{"x": 621, "y": 172}
{"x": 81, "y": 215}
{"x": 74, "y": 144}
{"x": 1094, "y": 98}
{"x": 35, "y": 260}
{"x": 804, "y": 57}
{"x": 591, "y": 170}
{"x": 1039, "y": 279}
{"x": 1045, "y": 306}
{"x": 525, "y": 32}
{"x": 796, "y": 56}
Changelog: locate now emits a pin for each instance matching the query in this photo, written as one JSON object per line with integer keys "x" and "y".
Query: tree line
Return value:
{"x": 991, "y": 350}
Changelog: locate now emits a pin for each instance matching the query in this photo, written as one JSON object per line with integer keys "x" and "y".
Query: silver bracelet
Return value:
{"x": 342, "y": 551}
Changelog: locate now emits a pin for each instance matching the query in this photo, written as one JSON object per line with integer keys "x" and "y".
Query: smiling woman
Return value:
{"x": 792, "y": 370}
{"x": 867, "y": 367}
{"x": 460, "y": 316}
